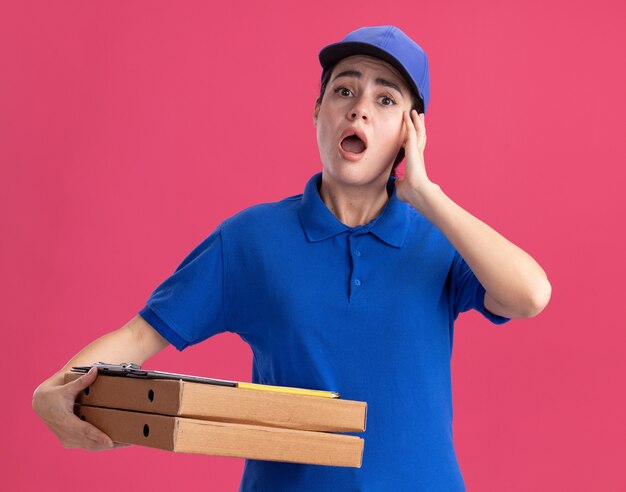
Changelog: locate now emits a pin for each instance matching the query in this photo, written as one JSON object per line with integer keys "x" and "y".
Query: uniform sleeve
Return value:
{"x": 467, "y": 292}
{"x": 188, "y": 306}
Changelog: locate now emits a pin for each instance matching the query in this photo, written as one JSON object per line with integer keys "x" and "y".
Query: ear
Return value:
{"x": 316, "y": 112}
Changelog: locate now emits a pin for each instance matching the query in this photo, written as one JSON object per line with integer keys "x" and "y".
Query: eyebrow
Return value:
{"x": 379, "y": 80}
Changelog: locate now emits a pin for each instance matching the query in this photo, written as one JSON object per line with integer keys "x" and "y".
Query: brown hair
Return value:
{"x": 416, "y": 104}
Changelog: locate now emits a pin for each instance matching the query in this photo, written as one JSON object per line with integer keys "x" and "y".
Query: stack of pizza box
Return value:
{"x": 191, "y": 417}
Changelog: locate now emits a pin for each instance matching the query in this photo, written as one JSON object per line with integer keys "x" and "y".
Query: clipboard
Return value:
{"x": 129, "y": 369}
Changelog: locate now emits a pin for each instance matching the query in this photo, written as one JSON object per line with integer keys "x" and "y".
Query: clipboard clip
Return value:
{"x": 124, "y": 369}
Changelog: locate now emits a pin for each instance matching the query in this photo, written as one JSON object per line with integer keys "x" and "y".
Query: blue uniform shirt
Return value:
{"x": 366, "y": 311}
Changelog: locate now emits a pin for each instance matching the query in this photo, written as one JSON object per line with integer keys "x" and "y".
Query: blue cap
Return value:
{"x": 389, "y": 44}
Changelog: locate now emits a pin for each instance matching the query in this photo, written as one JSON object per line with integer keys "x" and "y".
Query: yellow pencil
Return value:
{"x": 287, "y": 389}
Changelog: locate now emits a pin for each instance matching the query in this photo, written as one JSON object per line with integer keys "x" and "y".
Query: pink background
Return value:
{"x": 129, "y": 130}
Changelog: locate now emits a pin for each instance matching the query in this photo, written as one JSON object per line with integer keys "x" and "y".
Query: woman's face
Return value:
{"x": 366, "y": 95}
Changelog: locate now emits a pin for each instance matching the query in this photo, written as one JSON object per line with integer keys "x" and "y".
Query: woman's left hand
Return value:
{"x": 415, "y": 180}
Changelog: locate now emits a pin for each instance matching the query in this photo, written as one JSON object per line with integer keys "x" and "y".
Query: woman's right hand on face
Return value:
{"x": 54, "y": 404}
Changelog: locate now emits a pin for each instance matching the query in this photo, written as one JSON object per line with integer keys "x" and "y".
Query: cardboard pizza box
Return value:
{"x": 187, "y": 435}
{"x": 224, "y": 404}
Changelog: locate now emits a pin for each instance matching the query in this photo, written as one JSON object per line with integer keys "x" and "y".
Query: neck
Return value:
{"x": 354, "y": 205}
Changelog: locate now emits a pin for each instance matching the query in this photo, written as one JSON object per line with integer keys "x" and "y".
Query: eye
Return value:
{"x": 387, "y": 101}
{"x": 341, "y": 92}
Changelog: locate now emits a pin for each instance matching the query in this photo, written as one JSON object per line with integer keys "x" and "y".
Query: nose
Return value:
{"x": 359, "y": 110}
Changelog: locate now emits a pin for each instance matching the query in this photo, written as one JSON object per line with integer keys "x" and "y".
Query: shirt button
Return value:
{"x": 357, "y": 252}
{"x": 357, "y": 281}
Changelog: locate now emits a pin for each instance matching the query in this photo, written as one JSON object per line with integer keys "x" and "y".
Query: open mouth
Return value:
{"x": 353, "y": 144}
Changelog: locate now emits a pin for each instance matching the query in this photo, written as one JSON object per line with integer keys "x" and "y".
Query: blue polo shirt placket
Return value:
{"x": 357, "y": 272}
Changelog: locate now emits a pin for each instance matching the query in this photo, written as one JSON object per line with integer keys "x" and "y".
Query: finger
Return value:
{"x": 419, "y": 123}
{"x": 117, "y": 445}
{"x": 416, "y": 119}
{"x": 409, "y": 117}
{"x": 94, "y": 446}
{"x": 85, "y": 430}
{"x": 80, "y": 440}
{"x": 79, "y": 384}
{"x": 405, "y": 128}
{"x": 87, "y": 444}
{"x": 409, "y": 124}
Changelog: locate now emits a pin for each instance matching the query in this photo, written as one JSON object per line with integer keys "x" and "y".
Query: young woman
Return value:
{"x": 352, "y": 286}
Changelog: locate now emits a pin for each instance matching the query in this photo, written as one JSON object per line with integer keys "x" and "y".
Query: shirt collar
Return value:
{"x": 319, "y": 223}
